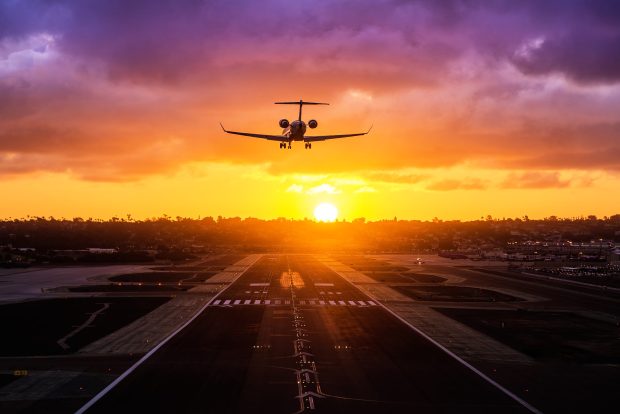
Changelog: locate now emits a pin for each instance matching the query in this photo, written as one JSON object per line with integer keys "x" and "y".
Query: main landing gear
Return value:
{"x": 308, "y": 145}
{"x": 283, "y": 145}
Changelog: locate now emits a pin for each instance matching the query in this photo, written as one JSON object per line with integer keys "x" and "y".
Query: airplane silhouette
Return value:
{"x": 296, "y": 130}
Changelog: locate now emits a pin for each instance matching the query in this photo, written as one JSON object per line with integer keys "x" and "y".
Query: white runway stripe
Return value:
{"x": 314, "y": 302}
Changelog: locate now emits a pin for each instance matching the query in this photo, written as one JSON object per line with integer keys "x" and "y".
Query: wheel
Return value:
{"x": 309, "y": 145}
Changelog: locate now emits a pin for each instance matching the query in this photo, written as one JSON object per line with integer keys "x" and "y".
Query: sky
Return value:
{"x": 503, "y": 108}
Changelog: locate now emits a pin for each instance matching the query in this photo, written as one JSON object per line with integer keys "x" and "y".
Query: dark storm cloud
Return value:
{"x": 582, "y": 57}
{"x": 165, "y": 40}
{"x": 95, "y": 79}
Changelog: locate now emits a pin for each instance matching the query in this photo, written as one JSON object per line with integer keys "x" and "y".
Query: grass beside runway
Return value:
{"x": 34, "y": 328}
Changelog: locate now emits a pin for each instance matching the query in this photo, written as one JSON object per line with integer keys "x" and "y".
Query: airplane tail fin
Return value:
{"x": 301, "y": 103}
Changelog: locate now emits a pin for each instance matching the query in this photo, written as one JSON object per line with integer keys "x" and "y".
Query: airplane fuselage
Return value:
{"x": 295, "y": 131}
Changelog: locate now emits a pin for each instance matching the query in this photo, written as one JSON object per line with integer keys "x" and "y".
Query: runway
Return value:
{"x": 292, "y": 336}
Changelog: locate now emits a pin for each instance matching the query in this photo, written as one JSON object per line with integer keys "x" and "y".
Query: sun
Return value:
{"x": 326, "y": 212}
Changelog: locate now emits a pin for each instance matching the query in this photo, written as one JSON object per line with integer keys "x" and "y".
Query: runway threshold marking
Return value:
{"x": 279, "y": 302}
{"x": 475, "y": 370}
{"x": 146, "y": 356}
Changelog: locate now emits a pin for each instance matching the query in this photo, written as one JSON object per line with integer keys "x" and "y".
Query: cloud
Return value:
{"x": 452, "y": 184}
{"x": 396, "y": 177}
{"x": 323, "y": 188}
{"x": 589, "y": 57}
{"x": 116, "y": 90}
{"x": 536, "y": 180}
{"x": 295, "y": 188}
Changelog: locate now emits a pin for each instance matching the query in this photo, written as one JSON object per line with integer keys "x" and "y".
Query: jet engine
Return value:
{"x": 312, "y": 123}
{"x": 284, "y": 123}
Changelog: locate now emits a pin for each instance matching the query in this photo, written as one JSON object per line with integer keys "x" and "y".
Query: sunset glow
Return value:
{"x": 481, "y": 109}
{"x": 326, "y": 212}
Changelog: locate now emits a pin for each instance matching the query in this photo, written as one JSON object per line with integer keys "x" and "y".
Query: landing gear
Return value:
{"x": 308, "y": 145}
{"x": 282, "y": 145}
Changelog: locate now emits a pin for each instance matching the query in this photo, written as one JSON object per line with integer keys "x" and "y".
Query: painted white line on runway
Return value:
{"x": 322, "y": 302}
{"x": 278, "y": 302}
{"x": 331, "y": 302}
{"x": 361, "y": 302}
{"x": 481, "y": 374}
{"x": 352, "y": 303}
{"x": 259, "y": 284}
{"x": 227, "y": 302}
{"x": 323, "y": 284}
{"x": 247, "y": 302}
{"x": 217, "y": 302}
{"x": 371, "y": 303}
{"x": 313, "y": 302}
{"x": 341, "y": 303}
{"x": 267, "y": 302}
{"x": 146, "y": 356}
{"x": 257, "y": 302}
{"x": 237, "y": 301}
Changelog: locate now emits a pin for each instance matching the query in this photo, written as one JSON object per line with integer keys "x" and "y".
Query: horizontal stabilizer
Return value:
{"x": 300, "y": 102}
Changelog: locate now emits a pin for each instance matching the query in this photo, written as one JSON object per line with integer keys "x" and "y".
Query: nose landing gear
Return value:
{"x": 308, "y": 145}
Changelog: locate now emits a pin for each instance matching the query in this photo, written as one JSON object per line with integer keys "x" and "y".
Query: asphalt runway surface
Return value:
{"x": 292, "y": 336}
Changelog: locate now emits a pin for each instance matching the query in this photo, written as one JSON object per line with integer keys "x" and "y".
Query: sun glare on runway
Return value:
{"x": 326, "y": 212}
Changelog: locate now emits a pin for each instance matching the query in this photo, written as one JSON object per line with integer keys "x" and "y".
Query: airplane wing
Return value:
{"x": 325, "y": 137}
{"x": 280, "y": 138}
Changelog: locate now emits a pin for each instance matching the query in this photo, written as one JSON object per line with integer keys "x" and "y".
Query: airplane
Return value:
{"x": 296, "y": 130}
